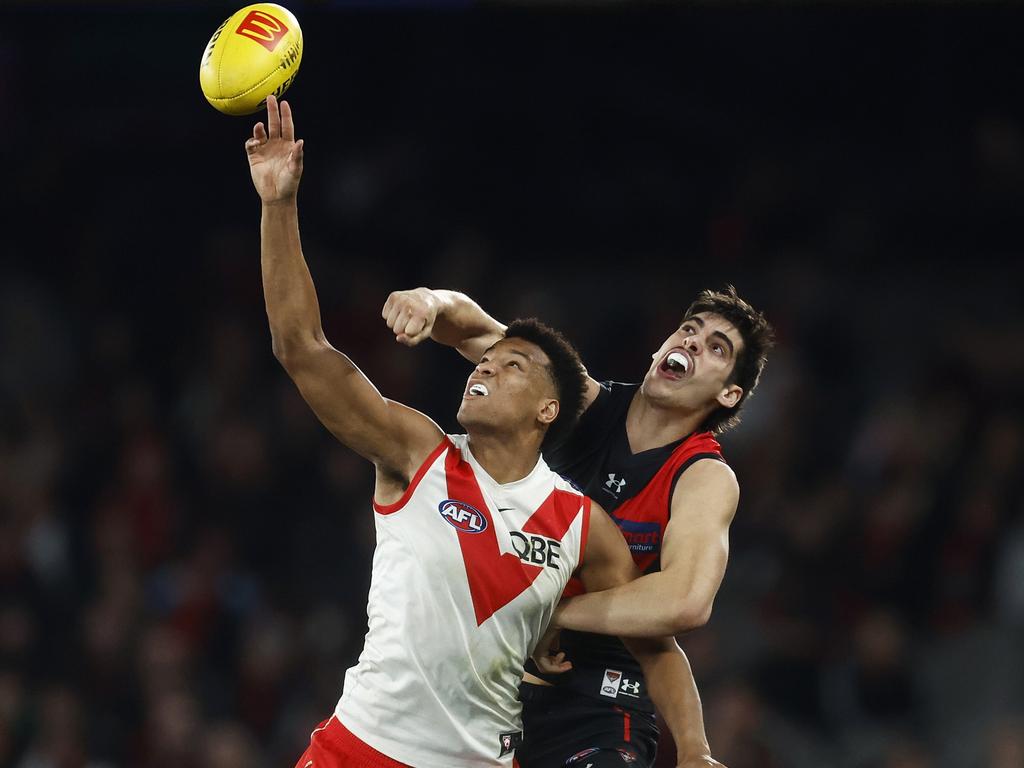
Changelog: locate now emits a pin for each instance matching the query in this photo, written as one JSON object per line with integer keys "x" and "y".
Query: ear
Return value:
{"x": 729, "y": 396}
{"x": 548, "y": 412}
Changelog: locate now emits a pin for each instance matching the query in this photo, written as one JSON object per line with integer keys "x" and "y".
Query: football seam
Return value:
{"x": 251, "y": 88}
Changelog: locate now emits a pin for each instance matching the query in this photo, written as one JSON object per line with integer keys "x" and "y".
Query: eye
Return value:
{"x": 514, "y": 364}
{"x": 717, "y": 349}
{"x": 687, "y": 329}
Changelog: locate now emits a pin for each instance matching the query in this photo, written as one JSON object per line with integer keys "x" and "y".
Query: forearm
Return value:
{"x": 460, "y": 320}
{"x": 292, "y": 306}
{"x": 671, "y": 686}
{"x": 655, "y": 605}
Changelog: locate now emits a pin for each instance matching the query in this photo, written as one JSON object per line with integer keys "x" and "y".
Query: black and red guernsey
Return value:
{"x": 636, "y": 491}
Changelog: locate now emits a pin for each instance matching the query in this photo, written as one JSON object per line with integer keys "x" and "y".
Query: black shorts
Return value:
{"x": 562, "y": 729}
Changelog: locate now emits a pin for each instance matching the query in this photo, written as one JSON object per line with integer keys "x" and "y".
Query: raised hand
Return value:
{"x": 411, "y": 315}
{"x": 275, "y": 157}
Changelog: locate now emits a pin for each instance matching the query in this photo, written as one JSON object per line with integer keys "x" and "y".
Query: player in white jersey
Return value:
{"x": 476, "y": 536}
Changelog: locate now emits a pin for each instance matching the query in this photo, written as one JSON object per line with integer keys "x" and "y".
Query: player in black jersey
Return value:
{"x": 647, "y": 453}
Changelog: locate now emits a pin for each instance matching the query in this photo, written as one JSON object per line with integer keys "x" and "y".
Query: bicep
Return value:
{"x": 607, "y": 561}
{"x": 350, "y": 406}
{"x": 696, "y": 540}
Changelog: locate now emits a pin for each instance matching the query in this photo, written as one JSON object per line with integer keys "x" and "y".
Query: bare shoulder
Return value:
{"x": 707, "y": 480}
{"x": 710, "y": 472}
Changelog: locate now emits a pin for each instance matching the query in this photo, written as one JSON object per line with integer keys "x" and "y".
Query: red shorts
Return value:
{"x": 332, "y": 745}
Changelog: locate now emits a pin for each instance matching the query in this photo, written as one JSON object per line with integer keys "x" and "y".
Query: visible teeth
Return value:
{"x": 478, "y": 389}
{"x": 678, "y": 361}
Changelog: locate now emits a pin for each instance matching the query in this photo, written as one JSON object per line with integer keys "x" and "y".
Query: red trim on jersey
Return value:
{"x": 653, "y": 503}
{"x": 586, "y": 527}
{"x": 387, "y": 509}
{"x": 626, "y": 724}
{"x": 332, "y": 745}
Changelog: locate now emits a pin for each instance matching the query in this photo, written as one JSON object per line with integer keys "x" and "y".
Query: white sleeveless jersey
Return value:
{"x": 466, "y": 575}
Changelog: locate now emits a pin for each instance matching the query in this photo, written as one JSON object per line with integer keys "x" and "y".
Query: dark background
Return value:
{"x": 184, "y": 552}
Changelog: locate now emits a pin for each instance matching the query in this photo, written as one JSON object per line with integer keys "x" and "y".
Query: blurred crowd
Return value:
{"x": 184, "y": 551}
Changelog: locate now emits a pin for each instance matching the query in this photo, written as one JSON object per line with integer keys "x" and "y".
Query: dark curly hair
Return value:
{"x": 565, "y": 369}
{"x": 758, "y": 337}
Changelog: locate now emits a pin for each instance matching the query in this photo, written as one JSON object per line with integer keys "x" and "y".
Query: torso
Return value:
{"x": 636, "y": 491}
{"x": 466, "y": 574}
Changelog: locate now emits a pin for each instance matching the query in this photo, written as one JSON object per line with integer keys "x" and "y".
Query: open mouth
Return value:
{"x": 677, "y": 364}
{"x": 477, "y": 390}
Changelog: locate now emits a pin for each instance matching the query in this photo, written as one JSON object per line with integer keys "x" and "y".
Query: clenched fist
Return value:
{"x": 411, "y": 315}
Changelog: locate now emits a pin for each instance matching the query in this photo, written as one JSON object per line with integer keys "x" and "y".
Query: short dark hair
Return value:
{"x": 566, "y": 371}
{"x": 758, "y": 337}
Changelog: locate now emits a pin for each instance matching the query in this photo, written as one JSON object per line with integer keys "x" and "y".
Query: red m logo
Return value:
{"x": 265, "y": 29}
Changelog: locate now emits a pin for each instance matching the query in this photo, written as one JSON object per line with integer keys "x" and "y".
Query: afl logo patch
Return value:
{"x": 460, "y": 515}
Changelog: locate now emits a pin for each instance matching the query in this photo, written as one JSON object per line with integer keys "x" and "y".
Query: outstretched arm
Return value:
{"x": 396, "y": 438}
{"x": 693, "y": 557}
{"x": 450, "y": 318}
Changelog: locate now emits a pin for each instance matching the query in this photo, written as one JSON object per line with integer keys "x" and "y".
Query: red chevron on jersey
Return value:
{"x": 553, "y": 518}
{"x": 497, "y": 578}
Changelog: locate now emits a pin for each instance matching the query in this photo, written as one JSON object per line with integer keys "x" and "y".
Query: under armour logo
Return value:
{"x": 630, "y": 687}
{"x": 614, "y": 485}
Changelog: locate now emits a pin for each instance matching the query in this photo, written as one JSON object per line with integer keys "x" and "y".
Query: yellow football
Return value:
{"x": 254, "y": 53}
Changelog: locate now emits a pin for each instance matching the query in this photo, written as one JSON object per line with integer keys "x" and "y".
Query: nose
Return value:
{"x": 692, "y": 344}
{"x": 485, "y": 368}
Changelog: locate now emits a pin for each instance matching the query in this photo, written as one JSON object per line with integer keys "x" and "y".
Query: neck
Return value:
{"x": 649, "y": 425}
{"x": 504, "y": 457}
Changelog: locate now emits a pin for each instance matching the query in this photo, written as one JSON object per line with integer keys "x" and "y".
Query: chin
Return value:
{"x": 472, "y": 418}
{"x": 666, "y": 395}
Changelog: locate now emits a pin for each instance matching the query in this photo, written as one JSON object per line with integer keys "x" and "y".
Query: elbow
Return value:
{"x": 284, "y": 352}
{"x": 291, "y": 350}
{"x": 690, "y": 614}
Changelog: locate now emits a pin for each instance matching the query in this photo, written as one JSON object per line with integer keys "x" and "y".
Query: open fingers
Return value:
{"x": 295, "y": 156}
{"x": 273, "y": 118}
{"x": 287, "y": 123}
{"x": 259, "y": 133}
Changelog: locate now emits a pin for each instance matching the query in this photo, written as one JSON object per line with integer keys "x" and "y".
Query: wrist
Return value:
{"x": 283, "y": 202}
{"x": 692, "y": 750}
{"x": 439, "y": 300}
{"x": 557, "y": 618}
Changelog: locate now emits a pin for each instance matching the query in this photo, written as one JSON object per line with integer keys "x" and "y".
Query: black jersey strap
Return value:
{"x": 685, "y": 466}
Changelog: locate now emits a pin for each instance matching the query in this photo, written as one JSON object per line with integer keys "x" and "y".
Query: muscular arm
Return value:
{"x": 671, "y": 686}
{"x": 608, "y": 565}
{"x": 450, "y": 318}
{"x": 394, "y": 437}
{"x": 693, "y": 558}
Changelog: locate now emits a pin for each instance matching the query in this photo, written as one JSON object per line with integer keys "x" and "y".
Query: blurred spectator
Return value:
{"x": 184, "y": 550}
